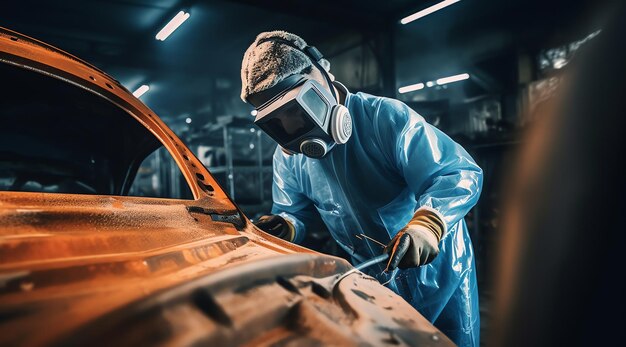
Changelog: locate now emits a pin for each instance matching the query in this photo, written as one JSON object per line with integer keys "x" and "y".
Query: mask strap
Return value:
{"x": 312, "y": 53}
{"x": 328, "y": 80}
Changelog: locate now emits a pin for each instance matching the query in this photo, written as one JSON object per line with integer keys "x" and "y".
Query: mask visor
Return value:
{"x": 287, "y": 123}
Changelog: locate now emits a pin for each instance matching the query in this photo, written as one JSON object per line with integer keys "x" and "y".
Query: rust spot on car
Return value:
{"x": 117, "y": 204}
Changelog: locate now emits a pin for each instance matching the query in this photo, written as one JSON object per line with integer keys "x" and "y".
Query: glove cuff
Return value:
{"x": 431, "y": 220}
{"x": 291, "y": 233}
{"x": 287, "y": 230}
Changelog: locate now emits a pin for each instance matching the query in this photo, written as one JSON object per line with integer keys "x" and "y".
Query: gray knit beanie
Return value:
{"x": 267, "y": 63}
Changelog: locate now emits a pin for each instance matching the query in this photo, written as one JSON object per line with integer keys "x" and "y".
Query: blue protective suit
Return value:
{"x": 393, "y": 164}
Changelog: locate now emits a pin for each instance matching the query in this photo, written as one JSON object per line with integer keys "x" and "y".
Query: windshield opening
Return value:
{"x": 59, "y": 138}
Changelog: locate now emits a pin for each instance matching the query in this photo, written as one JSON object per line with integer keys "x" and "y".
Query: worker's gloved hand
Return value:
{"x": 277, "y": 226}
{"x": 417, "y": 243}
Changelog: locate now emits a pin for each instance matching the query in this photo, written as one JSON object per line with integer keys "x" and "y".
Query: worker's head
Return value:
{"x": 290, "y": 85}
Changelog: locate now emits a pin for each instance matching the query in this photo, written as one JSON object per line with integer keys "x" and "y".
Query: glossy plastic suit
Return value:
{"x": 393, "y": 164}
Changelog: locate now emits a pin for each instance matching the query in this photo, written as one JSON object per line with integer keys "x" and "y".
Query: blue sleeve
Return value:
{"x": 290, "y": 202}
{"x": 443, "y": 176}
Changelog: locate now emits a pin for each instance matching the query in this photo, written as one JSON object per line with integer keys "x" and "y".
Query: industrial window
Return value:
{"x": 59, "y": 138}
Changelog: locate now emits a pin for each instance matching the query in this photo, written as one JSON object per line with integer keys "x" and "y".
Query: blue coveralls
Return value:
{"x": 393, "y": 164}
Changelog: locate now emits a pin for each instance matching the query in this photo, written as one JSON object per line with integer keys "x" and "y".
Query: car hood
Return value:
{"x": 88, "y": 255}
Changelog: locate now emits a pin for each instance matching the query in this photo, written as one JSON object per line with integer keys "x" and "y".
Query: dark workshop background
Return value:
{"x": 514, "y": 51}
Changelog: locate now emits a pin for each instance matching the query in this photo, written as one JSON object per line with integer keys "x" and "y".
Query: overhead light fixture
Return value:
{"x": 169, "y": 28}
{"x": 454, "y": 78}
{"x": 440, "y": 81}
{"x": 254, "y": 113}
{"x": 141, "y": 90}
{"x": 188, "y": 120}
{"x": 425, "y": 12}
{"x": 411, "y": 88}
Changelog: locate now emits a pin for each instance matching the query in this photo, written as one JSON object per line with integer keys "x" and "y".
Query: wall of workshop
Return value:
{"x": 356, "y": 60}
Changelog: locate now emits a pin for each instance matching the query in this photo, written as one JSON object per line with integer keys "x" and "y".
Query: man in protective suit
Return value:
{"x": 367, "y": 165}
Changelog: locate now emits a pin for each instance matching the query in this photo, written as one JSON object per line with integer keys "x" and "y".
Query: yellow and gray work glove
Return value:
{"x": 417, "y": 243}
{"x": 277, "y": 226}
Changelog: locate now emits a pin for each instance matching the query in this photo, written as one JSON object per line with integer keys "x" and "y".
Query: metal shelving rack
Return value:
{"x": 244, "y": 166}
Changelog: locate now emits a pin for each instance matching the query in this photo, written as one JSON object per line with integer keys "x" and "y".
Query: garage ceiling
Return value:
{"x": 197, "y": 67}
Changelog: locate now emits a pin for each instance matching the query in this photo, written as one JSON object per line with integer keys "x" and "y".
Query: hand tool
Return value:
{"x": 360, "y": 267}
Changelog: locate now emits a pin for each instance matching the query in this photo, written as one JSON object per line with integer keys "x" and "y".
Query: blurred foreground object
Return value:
{"x": 560, "y": 276}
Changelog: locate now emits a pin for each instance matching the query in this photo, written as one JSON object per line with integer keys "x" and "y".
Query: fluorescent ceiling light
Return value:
{"x": 454, "y": 78}
{"x": 440, "y": 81}
{"x": 141, "y": 90}
{"x": 169, "y": 28}
{"x": 411, "y": 88}
{"x": 425, "y": 12}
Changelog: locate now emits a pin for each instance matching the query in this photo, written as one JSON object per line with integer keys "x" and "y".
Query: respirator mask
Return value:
{"x": 301, "y": 115}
